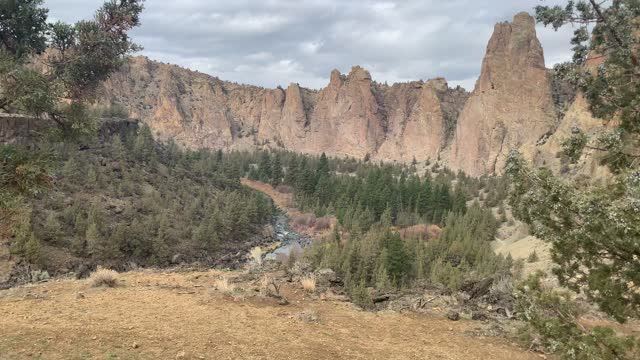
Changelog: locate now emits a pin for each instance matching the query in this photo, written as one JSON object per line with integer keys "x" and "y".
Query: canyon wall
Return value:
{"x": 352, "y": 116}
{"x": 515, "y": 105}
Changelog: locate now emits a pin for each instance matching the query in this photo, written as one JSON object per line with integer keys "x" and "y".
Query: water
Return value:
{"x": 290, "y": 240}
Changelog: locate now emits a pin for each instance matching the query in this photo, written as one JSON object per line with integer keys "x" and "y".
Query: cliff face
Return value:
{"x": 511, "y": 105}
{"x": 516, "y": 104}
{"x": 353, "y": 116}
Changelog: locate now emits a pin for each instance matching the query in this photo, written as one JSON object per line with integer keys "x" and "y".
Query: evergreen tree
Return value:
{"x": 52, "y": 227}
{"x": 276, "y": 169}
{"x": 143, "y": 148}
{"x": 92, "y": 178}
{"x": 83, "y": 55}
{"x": 161, "y": 242}
{"x": 265, "y": 173}
{"x": 32, "y": 249}
{"x": 397, "y": 265}
{"x": 291, "y": 176}
{"x": 594, "y": 230}
{"x": 323, "y": 167}
{"x": 94, "y": 240}
{"x": 118, "y": 150}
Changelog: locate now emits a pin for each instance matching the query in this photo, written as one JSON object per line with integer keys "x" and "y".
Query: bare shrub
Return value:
{"x": 38, "y": 276}
{"x": 304, "y": 220}
{"x": 284, "y": 189}
{"x": 323, "y": 223}
{"x": 421, "y": 231}
{"x": 103, "y": 277}
{"x": 309, "y": 283}
{"x": 269, "y": 286}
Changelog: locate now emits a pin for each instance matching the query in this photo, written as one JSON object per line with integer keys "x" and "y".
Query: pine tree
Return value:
{"x": 94, "y": 241}
{"x": 386, "y": 219}
{"x": 52, "y": 227}
{"x": 323, "y": 167}
{"x": 306, "y": 178}
{"x": 397, "y": 264}
{"x": 32, "y": 249}
{"x": 92, "y": 178}
{"x": 360, "y": 296}
{"x": 160, "y": 248}
{"x": 265, "y": 173}
{"x": 143, "y": 148}
{"x": 594, "y": 230}
{"x": 73, "y": 169}
{"x": 291, "y": 176}
{"x": 276, "y": 169}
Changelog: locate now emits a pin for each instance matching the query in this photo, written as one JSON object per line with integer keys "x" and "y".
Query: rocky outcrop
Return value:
{"x": 353, "y": 116}
{"x": 511, "y": 105}
{"x": 19, "y": 129}
{"x": 421, "y": 119}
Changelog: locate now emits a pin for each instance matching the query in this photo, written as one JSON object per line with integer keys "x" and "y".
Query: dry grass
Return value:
{"x": 256, "y": 255}
{"x": 103, "y": 277}
{"x": 222, "y": 284}
{"x": 309, "y": 283}
{"x": 156, "y": 313}
{"x": 304, "y": 220}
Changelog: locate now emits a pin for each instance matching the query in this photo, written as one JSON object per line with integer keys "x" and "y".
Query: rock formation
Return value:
{"x": 353, "y": 116}
{"x": 511, "y": 105}
{"x": 516, "y": 104}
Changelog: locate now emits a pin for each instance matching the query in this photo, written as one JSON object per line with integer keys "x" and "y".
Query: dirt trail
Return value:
{"x": 156, "y": 315}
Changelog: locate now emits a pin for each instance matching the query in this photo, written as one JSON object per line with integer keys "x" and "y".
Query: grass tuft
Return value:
{"x": 103, "y": 277}
{"x": 222, "y": 284}
{"x": 309, "y": 283}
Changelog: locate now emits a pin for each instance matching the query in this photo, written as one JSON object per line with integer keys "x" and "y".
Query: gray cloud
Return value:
{"x": 275, "y": 42}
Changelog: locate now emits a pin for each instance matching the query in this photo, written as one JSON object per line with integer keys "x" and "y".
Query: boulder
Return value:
{"x": 453, "y": 315}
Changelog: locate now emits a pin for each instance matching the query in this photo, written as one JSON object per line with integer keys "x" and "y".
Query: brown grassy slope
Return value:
{"x": 160, "y": 315}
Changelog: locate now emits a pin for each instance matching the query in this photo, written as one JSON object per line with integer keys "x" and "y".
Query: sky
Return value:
{"x": 277, "y": 42}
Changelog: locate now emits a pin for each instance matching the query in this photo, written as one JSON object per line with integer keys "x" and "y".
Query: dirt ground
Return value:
{"x": 158, "y": 315}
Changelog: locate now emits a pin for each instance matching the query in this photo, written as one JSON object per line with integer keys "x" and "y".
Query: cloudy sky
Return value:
{"x": 275, "y": 42}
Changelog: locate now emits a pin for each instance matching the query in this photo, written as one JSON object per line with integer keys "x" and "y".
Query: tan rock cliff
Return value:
{"x": 353, "y": 116}
{"x": 511, "y": 105}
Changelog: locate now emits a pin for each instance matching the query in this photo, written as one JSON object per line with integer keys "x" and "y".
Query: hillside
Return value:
{"x": 123, "y": 200}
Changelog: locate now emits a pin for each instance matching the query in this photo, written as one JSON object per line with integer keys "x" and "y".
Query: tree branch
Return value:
{"x": 606, "y": 150}
{"x": 616, "y": 37}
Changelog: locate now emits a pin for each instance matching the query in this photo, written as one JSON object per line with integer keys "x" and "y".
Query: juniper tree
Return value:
{"x": 594, "y": 230}
{"x": 78, "y": 58}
